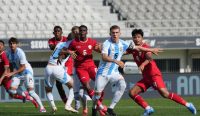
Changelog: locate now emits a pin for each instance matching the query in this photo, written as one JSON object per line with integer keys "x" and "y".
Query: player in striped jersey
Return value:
{"x": 22, "y": 72}
{"x": 55, "y": 70}
{"x": 112, "y": 51}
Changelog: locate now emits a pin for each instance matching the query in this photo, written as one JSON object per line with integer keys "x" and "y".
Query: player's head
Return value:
{"x": 75, "y": 31}
{"x": 83, "y": 31}
{"x": 13, "y": 43}
{"x": 1, "y": 45}
{"x": 137, "y": 36}
{"x": 115, "y": 33}
{"x": 57, "y": 31}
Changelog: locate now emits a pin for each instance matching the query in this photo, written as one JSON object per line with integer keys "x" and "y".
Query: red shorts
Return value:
{"x": 7, "y": 83}
{"x": 156, "y": 82}
{"x": 69, "y": 66}
{"x": 86, "y": 73}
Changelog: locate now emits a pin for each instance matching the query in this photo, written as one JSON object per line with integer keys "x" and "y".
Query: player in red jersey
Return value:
{"x": 6, "y": 81}
{"x": 81, "y": 50}
{"x": 52, "y": 44}
{"x": 152, "y": 77}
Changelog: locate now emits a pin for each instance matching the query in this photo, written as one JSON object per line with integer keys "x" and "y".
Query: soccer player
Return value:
{"x": 57, "y": 31}
{"x": 55, "y": 70}
{"x": 152, "y": 77}
{"x": 78, "y": 90}
{"x": 81, "y": 50}
{"x": 6, "y": 81}
{"x": 112, "y": 51}
{"x": 22, "y": 72}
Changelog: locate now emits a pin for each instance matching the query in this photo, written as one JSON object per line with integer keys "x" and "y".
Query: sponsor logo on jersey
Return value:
{"x": 90, "y": 47}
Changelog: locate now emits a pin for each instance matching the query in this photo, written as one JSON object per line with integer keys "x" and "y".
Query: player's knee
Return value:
{"x": 12, "y": 91}
{"x": 165, "y": 94}
{"x": 132, "y": 93}
{"x": 122, "y": 85}
{"x": 31, "y": 92}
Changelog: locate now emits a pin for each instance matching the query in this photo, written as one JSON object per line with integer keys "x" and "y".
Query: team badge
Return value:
{"x": 90, "y": 47}
{"x": 78, "y": 46}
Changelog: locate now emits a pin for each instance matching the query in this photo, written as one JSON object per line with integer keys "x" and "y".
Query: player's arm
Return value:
{"x": 21, "y": 68}
{"x": 148, "y": 56}
{"x": 106, "y": 58}
{"x": 51, "y": 45}
{"x": 98, "y": 47}
{"x": 153, "y": 50}
{"x": 66, "y": 51}
{"x": 6, "y": 71}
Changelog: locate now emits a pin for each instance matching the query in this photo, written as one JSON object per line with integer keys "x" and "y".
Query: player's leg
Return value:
{"x": 13, "y": 87}
{"x": 69, "y": 83}
{"x": 77, "y": 91}
{"x": 141, "y": 86}
{"x": 160, "y": 85}
{"x": 29, "y": 83}
{"x": 49, "y": 83}
{"x": 120, "y": 86}
{"x": 61, "y": 91}
{"x": 100, "y": 83}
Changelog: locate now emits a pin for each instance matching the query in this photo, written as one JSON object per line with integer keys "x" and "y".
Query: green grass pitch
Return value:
{"x": 126, "y": 107}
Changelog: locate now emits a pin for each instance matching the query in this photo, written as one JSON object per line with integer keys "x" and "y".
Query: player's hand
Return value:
{"x": 73, "y": 54}
{"x": 10, "y": 74}
{"x": 120, "y": 63}
{"x": 98, "y": 47}
{"x": 156, "y": 50}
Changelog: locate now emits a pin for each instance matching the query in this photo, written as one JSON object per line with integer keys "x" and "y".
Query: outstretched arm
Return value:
{"x": 153, "y": 50}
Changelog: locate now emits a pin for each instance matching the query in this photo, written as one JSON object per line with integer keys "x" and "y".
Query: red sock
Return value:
{"x": 91, "y": 93}
{"x": 140, "y": 101}
{"x": 101, "y": 98}
{"x": 18, "y": 97}
{"x": 177, "y": 98}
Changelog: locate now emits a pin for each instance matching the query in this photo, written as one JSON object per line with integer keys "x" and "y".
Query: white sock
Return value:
{"x": 118, "y": 93}
{"x": 50, "y": 99}
{"x": 36, "y": 97}
{"x": 187, "y": 104}
{"x": 148, "y": 107}
{"x": 70, "y": 97}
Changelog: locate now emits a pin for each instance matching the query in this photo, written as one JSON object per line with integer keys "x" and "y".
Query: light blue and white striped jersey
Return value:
{"x": 54, "y": 56}
{"x": 17, "y": 58}
{"x": 114, "y": 51}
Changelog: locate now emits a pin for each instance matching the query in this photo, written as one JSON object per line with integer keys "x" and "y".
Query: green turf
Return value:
{"x": 125, "y": 107}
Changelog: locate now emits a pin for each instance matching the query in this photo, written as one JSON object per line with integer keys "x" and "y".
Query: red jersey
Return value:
{"x": 53, "y": 41}
{"x": 84, "y": 52}
{"x": 151, "y": 68}
{"x": 3, "y": 62}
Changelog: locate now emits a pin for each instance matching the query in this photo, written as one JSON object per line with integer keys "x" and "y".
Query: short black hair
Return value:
{"x": 83, "y": 26}
{"x": 13, "y": 40}
{"x": 137, "y": 31}
{"x": 55, "y": 27}
{"x": 114, "y": 27}
{"x": 1, "y": 41}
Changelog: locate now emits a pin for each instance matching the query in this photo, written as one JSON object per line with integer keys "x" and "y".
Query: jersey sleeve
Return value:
{"x": 22, "y": 57}
{"x": 50, "y": 42}
{"x": 105, "y": 47}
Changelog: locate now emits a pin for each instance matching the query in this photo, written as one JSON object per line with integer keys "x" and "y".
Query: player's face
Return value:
{"x": 82, "y": 32}
{"x": 115, "y": 33}
{"x": 76, "y": 33}
{"x": 137, "y": 39}
{"x": 13, "y": 46}
{"x": 57, "y": 33}
{"x": 1, "y": 47}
